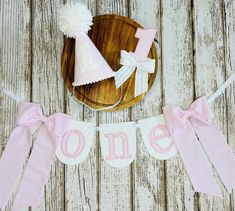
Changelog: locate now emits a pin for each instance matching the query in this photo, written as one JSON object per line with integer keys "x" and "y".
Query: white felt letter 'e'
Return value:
{"x": 75, "y": 144}
{"x": 118, "y": 143}
{"x": 157, "y": 139}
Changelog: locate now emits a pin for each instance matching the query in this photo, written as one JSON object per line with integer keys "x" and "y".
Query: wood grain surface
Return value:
{"x": 110, "y": 34}
{"x": 210, "y": 73}
{"x": 196, "y": 54}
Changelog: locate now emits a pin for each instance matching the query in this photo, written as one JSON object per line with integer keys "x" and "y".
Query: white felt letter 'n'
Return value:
{"x": 118, "y": 143}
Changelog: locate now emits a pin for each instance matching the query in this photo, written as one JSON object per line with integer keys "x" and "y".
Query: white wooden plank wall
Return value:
{"x": 148, "y": 173}
{"x": 81, "y": 184}
{"x": 196, "y": 54}
{"x": 177, "y": 68}
{"x": 210, "y": 73}
{"x": 115, "y": 192}
{"x": 229, "y": 38}
{"x": 15, "y": 62}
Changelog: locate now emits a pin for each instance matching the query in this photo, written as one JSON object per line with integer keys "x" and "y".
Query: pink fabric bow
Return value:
{"x": 31, "y": 123}
{"x": 192, "y": 132}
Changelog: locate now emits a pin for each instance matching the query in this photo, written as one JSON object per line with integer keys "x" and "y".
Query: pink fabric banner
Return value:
{"x": 194, "y": 134}
{"x": 47, "y": 131}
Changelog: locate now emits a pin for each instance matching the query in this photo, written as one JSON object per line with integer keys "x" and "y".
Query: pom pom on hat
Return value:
{"x": 74, "y": 18}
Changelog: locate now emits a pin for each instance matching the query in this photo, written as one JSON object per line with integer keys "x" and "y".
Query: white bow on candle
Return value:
{"x": 130, "y": 64}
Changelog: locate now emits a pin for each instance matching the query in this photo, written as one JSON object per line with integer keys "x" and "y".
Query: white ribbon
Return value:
{"x": 17, "y": 97}
{"x": 130, "y": 64}
{"x": 221, "y": 89}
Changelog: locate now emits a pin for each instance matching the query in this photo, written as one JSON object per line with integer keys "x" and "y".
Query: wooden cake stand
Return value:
{"x": 110, "y": 34}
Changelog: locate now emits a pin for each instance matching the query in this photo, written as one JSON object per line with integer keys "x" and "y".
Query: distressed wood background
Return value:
{"x": 196, "y": 54}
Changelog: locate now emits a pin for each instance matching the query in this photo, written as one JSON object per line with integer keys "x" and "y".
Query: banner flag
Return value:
{"x": 74, "y": 146}
{"x": 157, "y": 138}
{"x": 118, "y": 143}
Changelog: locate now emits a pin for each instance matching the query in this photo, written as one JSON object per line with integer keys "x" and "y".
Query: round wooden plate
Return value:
{"x": 110, "y": 34}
